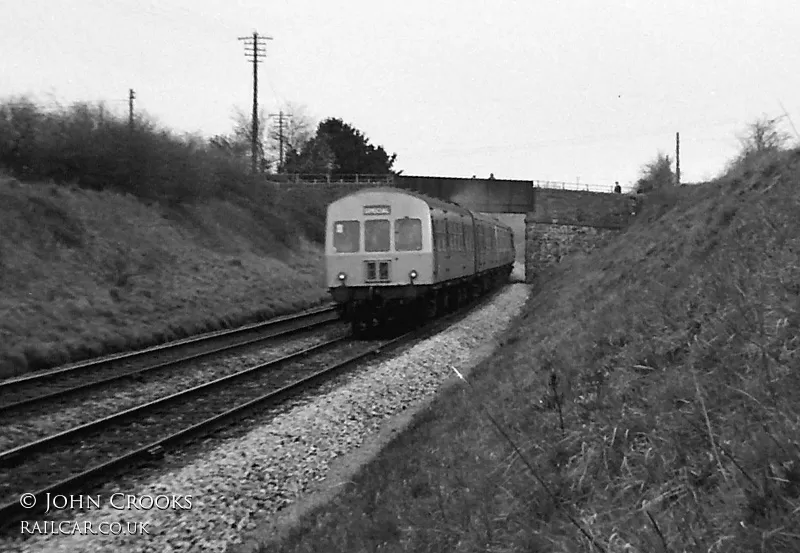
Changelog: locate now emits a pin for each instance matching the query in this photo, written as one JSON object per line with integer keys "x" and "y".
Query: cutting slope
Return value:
{"x": 84, "y": 273}
{"x": 652, "y": 387}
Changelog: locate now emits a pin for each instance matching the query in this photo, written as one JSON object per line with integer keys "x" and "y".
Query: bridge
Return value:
{"x": 389, "y": 180}
{"x": 559, "y": 219}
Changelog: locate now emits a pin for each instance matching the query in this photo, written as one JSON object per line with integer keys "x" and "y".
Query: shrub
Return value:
{"x": 86, "y": 146}
{"x": 656, "y": 175}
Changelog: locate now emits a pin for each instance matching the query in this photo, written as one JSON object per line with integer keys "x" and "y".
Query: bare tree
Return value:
{"x": 239, "y": 141}
{"x": 298, "y": 129}
{"x": 764, "y": 135}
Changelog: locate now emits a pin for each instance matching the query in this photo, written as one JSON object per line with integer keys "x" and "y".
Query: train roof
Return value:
{"x": 431, "y": 201}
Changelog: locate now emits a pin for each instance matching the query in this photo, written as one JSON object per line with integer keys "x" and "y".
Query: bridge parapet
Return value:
{"x": 574, "y": 207}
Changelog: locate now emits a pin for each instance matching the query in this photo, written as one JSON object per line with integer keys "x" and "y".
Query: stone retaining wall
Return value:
{"x": 547, "y": 244}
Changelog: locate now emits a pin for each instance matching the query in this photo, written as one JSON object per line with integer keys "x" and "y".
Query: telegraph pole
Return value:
{"x": 131, "y": 96}
{"x": 677, "y": 159}
{"x": 255, "y": 45}
{"x": 130, "y": 160}
{"x": 280, "y": 116}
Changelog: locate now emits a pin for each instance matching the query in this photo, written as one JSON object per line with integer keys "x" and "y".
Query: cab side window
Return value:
{"x": 407, "y": 235}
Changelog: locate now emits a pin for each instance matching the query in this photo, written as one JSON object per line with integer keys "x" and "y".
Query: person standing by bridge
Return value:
{"x": 617, "y": 188}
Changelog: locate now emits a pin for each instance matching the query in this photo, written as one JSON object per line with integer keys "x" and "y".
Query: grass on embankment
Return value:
{"x": 654, "y": 387}
{"x": 84, "y": 273}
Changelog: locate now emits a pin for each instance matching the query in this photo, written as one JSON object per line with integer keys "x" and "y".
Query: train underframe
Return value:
{"x": 369, "y": 308}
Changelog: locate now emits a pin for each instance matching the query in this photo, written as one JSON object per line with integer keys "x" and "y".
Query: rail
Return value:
{"x": 40, "y": 388}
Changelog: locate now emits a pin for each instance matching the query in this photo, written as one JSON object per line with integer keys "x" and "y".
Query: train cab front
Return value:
{"x": 375, "y": 256}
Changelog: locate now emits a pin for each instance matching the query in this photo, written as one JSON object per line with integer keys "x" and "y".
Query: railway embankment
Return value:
{"x": 649, "y": 395}
{"x": 85, "y": 273}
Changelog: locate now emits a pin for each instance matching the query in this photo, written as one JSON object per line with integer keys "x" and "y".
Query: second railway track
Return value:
{"x": 46, "y": 387}
{"x": 66, "y": 460}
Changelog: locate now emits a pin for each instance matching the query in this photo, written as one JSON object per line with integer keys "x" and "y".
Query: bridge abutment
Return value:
{"x": 547, "y": 244}
{"x": 567, "y": 221}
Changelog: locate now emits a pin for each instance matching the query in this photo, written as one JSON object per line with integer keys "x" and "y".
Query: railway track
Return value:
{"x": 45, "y": 388}
{"x": 66, "y": 461}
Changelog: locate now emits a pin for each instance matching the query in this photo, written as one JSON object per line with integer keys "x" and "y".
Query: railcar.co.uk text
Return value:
{"x": 84, "y": 528}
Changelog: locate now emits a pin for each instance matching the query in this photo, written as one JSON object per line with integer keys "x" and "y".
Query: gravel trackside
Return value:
{"x": 241, "y": 483}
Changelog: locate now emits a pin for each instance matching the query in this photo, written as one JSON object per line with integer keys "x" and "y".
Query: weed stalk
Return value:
{"x": 557, "y": 398}
{"x": 528, "y": 464}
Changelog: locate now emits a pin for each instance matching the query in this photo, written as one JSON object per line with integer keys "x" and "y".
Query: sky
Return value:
{"x": 570, "y": 90}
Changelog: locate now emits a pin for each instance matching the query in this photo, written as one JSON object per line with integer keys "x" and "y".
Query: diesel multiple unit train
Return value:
{"x": 392, "y": 254}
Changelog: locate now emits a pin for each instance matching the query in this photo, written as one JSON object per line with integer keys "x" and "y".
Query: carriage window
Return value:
{"x": 439, "y": 235}
{"x": 345, "y": 236}
{"x": 407, "y": 235}
{"x": 376, "y": 235}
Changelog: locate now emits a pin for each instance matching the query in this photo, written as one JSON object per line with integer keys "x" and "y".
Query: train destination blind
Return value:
{"x": 377, "y": 210}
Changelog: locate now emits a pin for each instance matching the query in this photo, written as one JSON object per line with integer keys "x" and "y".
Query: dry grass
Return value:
{"x": 653, "y": 386}
{"x": 84, "y": 273}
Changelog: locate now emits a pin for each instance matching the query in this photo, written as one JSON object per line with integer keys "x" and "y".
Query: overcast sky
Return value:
{"x": 557, "y": 90}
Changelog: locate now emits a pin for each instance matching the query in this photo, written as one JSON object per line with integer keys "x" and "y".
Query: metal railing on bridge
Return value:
{"x": 309, "y": 178}
{"x": 608, "y": 188}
